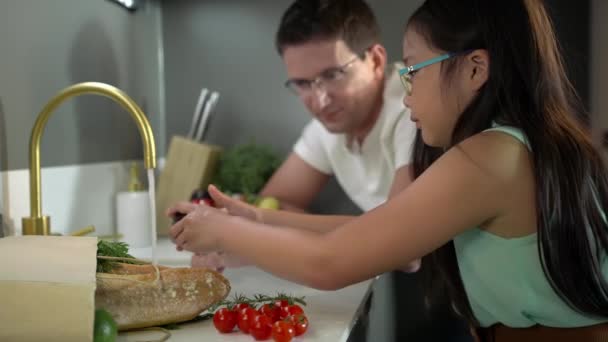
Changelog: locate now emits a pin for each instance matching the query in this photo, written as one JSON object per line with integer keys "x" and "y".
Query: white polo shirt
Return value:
{"x": 366, "y": 174}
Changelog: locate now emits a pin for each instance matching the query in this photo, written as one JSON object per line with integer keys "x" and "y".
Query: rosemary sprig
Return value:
{"x": 257, "y": 300}
{"x": 111, "y": 249}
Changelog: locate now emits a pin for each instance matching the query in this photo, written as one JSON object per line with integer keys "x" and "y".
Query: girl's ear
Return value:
{"x": 478, "y": 68}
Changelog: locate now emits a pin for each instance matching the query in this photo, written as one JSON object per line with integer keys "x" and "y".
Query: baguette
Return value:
{"x": 130, "y": 269}
{"x": 137, "y": 296}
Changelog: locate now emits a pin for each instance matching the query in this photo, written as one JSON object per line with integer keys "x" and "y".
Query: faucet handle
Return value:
{"x": 84, "y": 231}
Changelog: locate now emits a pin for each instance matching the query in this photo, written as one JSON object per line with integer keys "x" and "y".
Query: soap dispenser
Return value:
{"x": 133, "y": 212}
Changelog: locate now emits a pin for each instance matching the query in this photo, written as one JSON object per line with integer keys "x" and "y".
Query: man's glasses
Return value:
{"x": 328, "y": 79}
{"x": 406, "y": 73}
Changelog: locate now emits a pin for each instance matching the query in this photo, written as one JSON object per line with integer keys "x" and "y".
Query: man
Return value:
{"x": 360, "y": 133}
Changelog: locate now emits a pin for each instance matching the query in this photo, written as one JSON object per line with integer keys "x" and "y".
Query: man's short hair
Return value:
{"x": 307, "y": 20}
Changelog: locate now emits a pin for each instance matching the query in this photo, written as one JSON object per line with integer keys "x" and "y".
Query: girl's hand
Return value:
{"x": 199, "y": 230}
{"x": 234, "y": 206}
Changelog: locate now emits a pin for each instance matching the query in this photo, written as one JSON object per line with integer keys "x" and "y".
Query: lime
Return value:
{"x": 105, "y": 327}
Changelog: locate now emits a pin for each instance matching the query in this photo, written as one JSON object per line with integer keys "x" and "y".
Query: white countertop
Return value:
{"x": 166, "y": 254}
{"x": 332, "y": 314}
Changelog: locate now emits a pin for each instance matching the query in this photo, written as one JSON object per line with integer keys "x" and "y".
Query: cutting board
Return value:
{"x": 47, "y": 288}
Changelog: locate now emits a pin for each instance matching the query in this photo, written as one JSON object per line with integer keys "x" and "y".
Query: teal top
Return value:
{"x": 504, "y": 279}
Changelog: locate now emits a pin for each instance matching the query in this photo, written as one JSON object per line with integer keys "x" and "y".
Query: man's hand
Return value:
{"x": 212, "y": 260}
{"x": 234, "y": 206}
{"x": 217, "y": 261}
{"x": 295, "y": 184}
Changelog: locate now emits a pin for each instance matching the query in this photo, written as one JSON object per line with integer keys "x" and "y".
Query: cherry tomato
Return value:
{"x": 291, "y": 310}
{"x": 245, "y": 318}
{"x": 261, "y": 327}
{"x": 224, "y": 320}
{"x": 272, "y": 311}
{"x": 240, "y": 306}
{"x": 300, "y": 323}
{"x": 282, "y": 331}
{"x": 281, "y": 303}
{"x": 208, "y": 201}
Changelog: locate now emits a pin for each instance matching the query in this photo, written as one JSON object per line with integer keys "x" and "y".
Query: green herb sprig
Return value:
{"x": 257, "y": 300}
{"x": 111, "y": 249}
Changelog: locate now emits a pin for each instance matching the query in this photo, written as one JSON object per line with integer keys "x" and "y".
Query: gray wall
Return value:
{"x": 49, "y": 45}
{"x": 229, "y": 46}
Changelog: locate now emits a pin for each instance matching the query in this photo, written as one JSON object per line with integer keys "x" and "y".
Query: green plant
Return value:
{"x": 245, "y": 168}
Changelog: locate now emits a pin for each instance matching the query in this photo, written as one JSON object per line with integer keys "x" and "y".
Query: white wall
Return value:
{"x": 47, "y": 46}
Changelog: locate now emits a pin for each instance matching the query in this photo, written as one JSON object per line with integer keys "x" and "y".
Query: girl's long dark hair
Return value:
{"x": 527, "y": 88}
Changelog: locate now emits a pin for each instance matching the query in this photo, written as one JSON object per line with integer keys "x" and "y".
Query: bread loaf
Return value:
{"x": 137, "y": 297}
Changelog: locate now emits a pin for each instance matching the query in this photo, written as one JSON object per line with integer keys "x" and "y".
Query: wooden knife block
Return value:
{"x": 189, "y": 165}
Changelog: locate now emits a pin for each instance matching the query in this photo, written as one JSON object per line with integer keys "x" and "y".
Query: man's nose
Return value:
{"x": 320, "y": 97}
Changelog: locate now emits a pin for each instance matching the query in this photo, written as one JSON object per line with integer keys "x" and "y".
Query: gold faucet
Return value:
{"x": 37, "y": 224}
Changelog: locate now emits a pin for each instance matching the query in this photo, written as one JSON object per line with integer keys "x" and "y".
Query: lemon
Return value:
{"x": 268, "y": 203}
{"x": 105, "y": 327}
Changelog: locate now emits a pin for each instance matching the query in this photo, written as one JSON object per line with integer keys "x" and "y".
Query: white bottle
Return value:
{"x": 133, "y": 213}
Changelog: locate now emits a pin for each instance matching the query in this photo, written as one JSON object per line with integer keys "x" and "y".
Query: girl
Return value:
{"x": 507, "y": 207}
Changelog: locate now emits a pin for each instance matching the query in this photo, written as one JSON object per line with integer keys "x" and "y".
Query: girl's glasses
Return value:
{"x": 406, "y": 73}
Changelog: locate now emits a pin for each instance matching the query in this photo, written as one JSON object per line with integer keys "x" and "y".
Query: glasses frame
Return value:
{"x": 318, "y": 81}
{"x": 405, "y": 73}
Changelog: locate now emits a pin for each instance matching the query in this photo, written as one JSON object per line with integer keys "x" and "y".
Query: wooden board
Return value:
{"x": 189, "y": 165}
